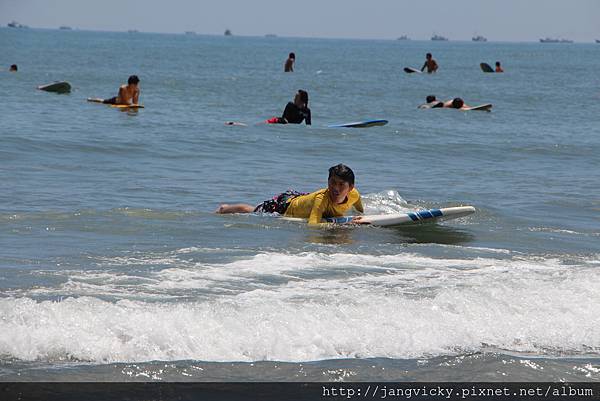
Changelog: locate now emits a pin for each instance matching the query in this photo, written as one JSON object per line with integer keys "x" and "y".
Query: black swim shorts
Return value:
{"x": 279, "y": 203}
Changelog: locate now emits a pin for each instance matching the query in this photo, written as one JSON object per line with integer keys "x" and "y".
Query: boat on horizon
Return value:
{"x": 15, "y": 24}
{"x": 228, "y": 32}
{"x": 403, "y": 37}
{"x": 439, "y": 38}
{"x": 479, "y": 38}
{"x": 597, "y": 40}
{"x": 554, "y": 40}
{"x": 65, "y": 28}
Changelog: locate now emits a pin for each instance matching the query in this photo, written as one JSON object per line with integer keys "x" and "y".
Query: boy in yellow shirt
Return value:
{"x": 333, "y": 201}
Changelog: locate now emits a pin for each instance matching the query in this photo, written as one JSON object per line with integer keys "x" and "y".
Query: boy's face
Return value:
{"x": 338, "y": 189}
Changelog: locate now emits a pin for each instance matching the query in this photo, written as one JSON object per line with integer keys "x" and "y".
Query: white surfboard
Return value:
{"x": 481, "y": 107}
{"x": 57, "y": 87}
{"x": 416, "y": 217}
{"x": 360, "y": 124}
{"x": 410, "y": 70}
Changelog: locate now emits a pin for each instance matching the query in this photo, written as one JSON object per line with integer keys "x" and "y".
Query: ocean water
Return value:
{"x": 114, "y": 267}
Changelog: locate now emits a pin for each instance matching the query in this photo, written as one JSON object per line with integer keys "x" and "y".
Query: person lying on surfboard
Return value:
{"x": 333, "y": 201}
{"x": 456, "y": 103}
{"x": 430, "y": 64}
{"x": 128, "y": 94}
{"x": 295, "y": 112}
{"x": 431, "y": 102}
{"x": 499, "y": 67}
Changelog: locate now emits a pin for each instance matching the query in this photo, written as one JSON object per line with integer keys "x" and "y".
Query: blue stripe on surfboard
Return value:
{"x": 339, "y": 220}
{"x": 424, "y": 214}
{"x": 414, "y": 216}
{"x": 360, "y": 124}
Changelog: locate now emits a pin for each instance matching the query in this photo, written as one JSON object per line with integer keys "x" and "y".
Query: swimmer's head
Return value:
{"x": 301, "y": 98}
{"x": 457, "y": 103}
{"x": 430, "y": 98}
{"x": 133, "y": 80}
{"x": 340, "y": 183}
{"x": 292, "y": 56}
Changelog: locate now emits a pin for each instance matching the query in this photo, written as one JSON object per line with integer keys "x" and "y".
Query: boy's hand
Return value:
{"x": 358, "y": 220}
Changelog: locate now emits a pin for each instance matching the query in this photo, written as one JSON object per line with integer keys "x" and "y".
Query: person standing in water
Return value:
{"x": 430, "y": 64}
{"x": 499, "y": 67}
{"x": 289, "y": 63}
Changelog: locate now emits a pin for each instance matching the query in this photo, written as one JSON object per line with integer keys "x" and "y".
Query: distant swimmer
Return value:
{"x": 456, "y": 103}
{"x": 295, "y": 112}
{"x": 431, "y": 102}
{"x": 430, "y": 64}
{"x": 128, "y": 94}
{"x": 499, "y": 67}
{"x": 459, "y": 104}
{"x": 289, "y": 63}
{"x": 333, "y": 201}
{"x": 13, "y": 68}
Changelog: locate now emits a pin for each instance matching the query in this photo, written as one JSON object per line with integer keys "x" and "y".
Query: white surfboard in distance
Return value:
{"x": 396, "y": 219}
{"x": 360, "y": 124}
{"x": 57, "y": 87}
{"x": 481, "y": 107}
{"x": 410, "y": 70}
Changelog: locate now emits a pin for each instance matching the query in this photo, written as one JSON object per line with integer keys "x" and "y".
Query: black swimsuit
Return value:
{"x": 295, "y": 115}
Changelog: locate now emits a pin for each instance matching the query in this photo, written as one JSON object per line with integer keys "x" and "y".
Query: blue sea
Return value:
{"x": 114, "y": 266}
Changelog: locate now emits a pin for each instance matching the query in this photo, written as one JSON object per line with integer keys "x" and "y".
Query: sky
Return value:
{"x": 501, "y": 20}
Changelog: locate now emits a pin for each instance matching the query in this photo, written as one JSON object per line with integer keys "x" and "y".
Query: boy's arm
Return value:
{"x": 308, "y": 118}
{"x": 316, "y": 213}
{"x": 424, "y": 65}
{"x": 359, "y": 206}
{"x": 136, "y": 96}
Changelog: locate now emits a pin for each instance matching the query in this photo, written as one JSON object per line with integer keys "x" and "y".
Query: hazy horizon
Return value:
{"x": 508, "y": 20}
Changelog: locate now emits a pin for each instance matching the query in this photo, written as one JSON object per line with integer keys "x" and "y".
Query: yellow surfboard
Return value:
{"x": 117, "y": 106}
{"x": 127, "y": 106}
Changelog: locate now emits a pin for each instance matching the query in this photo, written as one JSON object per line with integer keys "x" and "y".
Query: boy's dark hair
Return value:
{"x": 497, "y": 64}
{"x": 133, "y": 80}
{"x": 457, "y": 103}
{"x": 342, "y": 171}
{"x": 292, "y": 55}
{"x": 303, "y": 96}
{"x": 430, "y": 98}
{"x": 14, "y": 67}
{"x": 428, "y": 55}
